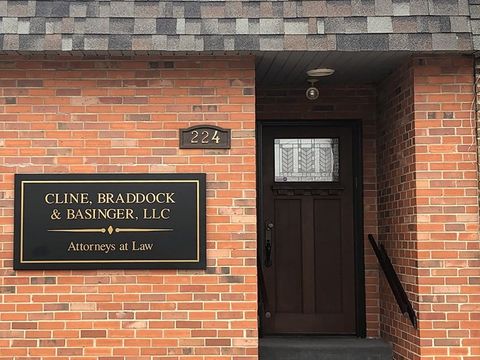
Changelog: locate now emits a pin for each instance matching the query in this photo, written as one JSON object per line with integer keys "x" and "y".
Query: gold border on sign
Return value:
{"x": 23, "y": 182}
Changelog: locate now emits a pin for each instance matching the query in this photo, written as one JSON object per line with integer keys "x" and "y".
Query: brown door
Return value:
{"x": 307, "y": 255}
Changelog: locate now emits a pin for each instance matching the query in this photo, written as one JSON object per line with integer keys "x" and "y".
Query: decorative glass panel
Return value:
{"x": 306, "y": 160}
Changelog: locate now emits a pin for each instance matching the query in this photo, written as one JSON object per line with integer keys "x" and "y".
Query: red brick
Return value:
{"x": 123, "y": 120}
{"x": 432, "y": 153}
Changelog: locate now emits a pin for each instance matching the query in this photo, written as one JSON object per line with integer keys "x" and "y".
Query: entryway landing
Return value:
{"x": 323, "y": 348}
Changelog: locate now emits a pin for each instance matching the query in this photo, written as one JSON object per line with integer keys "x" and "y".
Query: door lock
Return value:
{"x": 268, "y": 244}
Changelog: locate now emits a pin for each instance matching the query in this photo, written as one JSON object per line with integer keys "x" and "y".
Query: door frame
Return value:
{"x": 357, "y": 157}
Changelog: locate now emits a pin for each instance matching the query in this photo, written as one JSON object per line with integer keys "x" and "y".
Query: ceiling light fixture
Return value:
{"x": 312, "y": 92}
{"x": 320, "y": 72}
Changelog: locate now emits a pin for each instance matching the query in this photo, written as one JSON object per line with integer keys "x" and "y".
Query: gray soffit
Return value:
{"x": 288, "y": 69}
{"x": 235, "y": 25}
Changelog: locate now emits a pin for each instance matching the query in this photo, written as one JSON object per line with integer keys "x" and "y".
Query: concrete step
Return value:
{"x": 323, "y": 348}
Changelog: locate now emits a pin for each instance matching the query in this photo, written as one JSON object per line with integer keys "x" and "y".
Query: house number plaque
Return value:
{"x": 205, "y": 137}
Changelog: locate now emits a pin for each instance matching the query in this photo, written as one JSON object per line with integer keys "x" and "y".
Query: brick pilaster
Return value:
{"x": 430, "y": 223}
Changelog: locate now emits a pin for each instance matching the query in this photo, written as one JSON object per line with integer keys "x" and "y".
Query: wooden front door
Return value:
{"x": 307, "y": 226}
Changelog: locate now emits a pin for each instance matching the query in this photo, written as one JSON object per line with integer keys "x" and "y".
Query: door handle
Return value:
{"x": 268, "y": 244}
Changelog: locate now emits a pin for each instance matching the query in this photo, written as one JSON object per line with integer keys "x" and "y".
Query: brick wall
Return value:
{"x": 337, "y": 103}
{"x": 447, "y": 193}
{"x": 397, "y": 205}
{"x": 74, "y": 115}
{"x": 429, "y": 216}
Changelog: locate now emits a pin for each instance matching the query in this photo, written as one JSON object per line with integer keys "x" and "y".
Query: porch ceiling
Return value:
{"x": 288, "y": 69}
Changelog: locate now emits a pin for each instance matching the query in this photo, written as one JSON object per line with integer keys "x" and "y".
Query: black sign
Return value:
{"x": 110, "y": 221}
{"x": 205, "y": 137}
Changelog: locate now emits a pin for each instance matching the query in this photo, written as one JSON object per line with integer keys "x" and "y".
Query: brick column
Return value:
{"x": 429, "y": 220}
{"x": 447, "y": 208}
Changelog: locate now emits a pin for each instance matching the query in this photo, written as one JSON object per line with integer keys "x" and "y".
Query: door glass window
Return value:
{"x": 306, "y": 160}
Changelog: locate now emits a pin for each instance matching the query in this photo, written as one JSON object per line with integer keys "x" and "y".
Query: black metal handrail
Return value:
{"x": 263, "y": 299}
{"x": 393, "y": 280}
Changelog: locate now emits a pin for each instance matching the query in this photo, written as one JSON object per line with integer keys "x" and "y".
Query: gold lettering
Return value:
{"x": 104, "y": 247}
{"x": 165, "y": 214}
{"x": 156, "y": 214}
{"x": 147, "y": 215}
{"x": 100, "y": 214}
{"x": 131, "y": 198}
{"x": 136, "y": 198}
{"x": 141, "y": 247}
{"x": 66, "y": 198}
{"x": 104, "y": 198}
{"x": 129, "y": 214}
{"x": 170, "y": 198}
{"x": 70, "y": 214}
